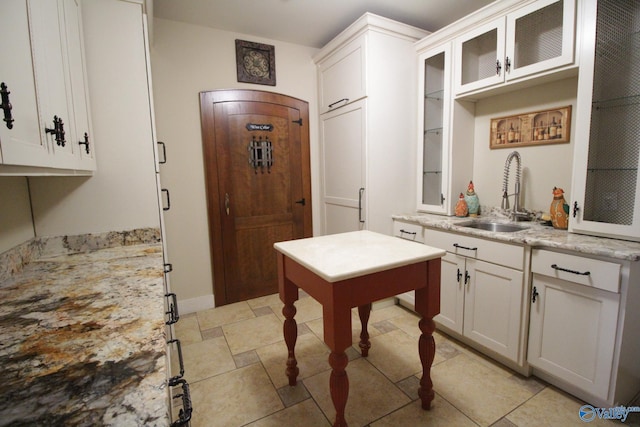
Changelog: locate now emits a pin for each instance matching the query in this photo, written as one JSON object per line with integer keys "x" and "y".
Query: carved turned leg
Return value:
{"x": 427, "y": 349}
{"x": 365, "y": 344}
{"x": 290, "y": 336}
{"x": 339, "y": 386}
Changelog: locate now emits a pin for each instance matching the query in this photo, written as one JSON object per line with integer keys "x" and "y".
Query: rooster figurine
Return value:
{"x": 559, "y": 210}
{"x": 461, "y": 209}
{"x": 472, "y": 200}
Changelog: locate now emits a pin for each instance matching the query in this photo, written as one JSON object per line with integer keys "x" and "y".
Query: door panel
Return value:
{"x": 254, "y": 202}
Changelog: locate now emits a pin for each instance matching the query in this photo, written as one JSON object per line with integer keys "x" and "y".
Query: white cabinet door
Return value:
{"x": 540, "y": 37}
{"x": 342, "y": 136}
{"x": 453, "y": 280}
{"x": 52, "y": 81}
{"x": 606, "y": 182}
{"x": 493, "y": 306}
{"x": 21, "y": 144}
{"x": 342, "y": 78}
{"x": 480, "y": 57}
{"x": 81, "y": 135}
{"x": 572, "y": 332}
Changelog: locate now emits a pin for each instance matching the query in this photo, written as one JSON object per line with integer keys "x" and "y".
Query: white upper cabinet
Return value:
{"x": 530, "y": 40}
{"x": 606, "y": 182}
{"x": 445, "y": 152}
{"x": 46, "y": 81}
{"x": 342, "y": 76}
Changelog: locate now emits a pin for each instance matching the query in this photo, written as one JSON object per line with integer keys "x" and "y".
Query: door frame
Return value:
{"x": 207, "y": 101}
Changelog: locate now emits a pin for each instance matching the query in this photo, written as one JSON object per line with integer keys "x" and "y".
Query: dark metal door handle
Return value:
{"x": 6, "y": 105}
{"x": 164, "y": 190}
{"x": 164, "y": 153}
{"x": 301, "y": 202}
{"x": 360, "y": 205}
{"x": 534, "y": 295}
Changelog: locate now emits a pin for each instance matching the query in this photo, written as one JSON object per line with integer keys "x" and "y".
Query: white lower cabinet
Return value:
{"x": 481, "y": 292}
{"x": 577, "y": 325}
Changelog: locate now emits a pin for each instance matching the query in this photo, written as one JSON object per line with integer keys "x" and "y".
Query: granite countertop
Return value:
{"x": 344, "y": 256}
{"x": 534, "y": 234}
{"x": 82, "y": 338}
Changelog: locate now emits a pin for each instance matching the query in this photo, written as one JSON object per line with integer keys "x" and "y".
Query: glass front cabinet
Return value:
{"x": 606, "y": 183}
{"x": 533, "y": 39}
{"x": 439, "y": 177}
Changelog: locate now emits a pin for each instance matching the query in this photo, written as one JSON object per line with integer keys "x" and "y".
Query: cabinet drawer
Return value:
{"x": 573, "y": 268}
{"x": 505, "y": 254}
{"x": 408, "y": 231}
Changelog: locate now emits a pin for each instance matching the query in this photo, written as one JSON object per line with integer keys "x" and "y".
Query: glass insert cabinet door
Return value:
{"x": 434, "y": 84}
{"x": 606, "y": 181}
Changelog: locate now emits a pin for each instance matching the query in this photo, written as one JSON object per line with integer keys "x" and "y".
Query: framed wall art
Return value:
{"x": 255, "y": 63}
{"x": 536, "y": 128}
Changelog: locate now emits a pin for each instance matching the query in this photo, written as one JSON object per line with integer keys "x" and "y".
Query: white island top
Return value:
{"x": 337, "y": 257}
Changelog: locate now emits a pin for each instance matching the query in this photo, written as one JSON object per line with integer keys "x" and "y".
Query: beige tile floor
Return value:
{"x": 235, "y": 359}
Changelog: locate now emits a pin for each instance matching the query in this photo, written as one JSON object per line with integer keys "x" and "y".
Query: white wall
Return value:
{"x": 186, "y": 60}
{"x": 16, "y": 226}
{"x": 544, "y": 166}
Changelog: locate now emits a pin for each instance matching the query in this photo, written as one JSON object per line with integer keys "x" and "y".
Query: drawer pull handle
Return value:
{"x": 408, "y": 232}
{"x": 345, "y": 100}
{"x": 585, "y": 273}
{"x": 534, "y": 295}
{"x": 173, "y": 381}
{"x": 455, "y": 245}
{"x": 459, "y": 275}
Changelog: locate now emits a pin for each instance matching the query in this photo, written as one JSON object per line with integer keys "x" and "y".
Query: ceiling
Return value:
{"x": 309, "y": 22}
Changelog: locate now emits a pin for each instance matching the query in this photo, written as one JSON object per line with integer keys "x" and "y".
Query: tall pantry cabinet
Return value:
{"x": 366, "y": 78}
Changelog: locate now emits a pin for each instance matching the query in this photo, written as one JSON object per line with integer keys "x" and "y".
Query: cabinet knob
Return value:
{"x": 57, "y": 131}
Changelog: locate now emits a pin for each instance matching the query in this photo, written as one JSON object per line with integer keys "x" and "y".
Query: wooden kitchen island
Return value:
{"x": 343, "y": 271}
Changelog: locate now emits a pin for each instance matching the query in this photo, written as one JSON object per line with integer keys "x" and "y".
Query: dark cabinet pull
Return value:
{"x": 173, "y": 381}
{"x": 174, "y": 316}
{"x": 6, "y": 106}
{"x": 165, "y": 191}
{"x": 585, "y": 273}
{"x": 575, "y": 209}
{"x": 507, "y": 65}
{"x": 57, "y": 131}
{"x": 301, "y": 201}
{"x": 345, "y": 100}
{"x": 534, "y": 294}
{"x": 360, "y": 205}
{"x": 455, "y": 245}
{"x": 413, "y": 233}
{"x": 85, "y": 142}
{"x": 184, "y": 416}
{"x": 459, "y": 275}
{"x": 164, "y": 153}
{"x": 498, "y": 67}
{"x": 168, "y": 268}
{"x": 466, "y": 277}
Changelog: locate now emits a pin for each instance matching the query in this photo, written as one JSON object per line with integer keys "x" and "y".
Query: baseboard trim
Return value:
{"x": 192, "y": 305}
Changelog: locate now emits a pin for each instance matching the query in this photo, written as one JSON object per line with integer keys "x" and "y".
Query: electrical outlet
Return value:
{"x": 610, "y": 201}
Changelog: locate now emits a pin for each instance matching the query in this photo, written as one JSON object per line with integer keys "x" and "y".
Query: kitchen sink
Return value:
{"x": 498, "y": 227}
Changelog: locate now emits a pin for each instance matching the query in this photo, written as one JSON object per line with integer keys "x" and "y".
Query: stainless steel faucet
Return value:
{"x": 505, "y": 184}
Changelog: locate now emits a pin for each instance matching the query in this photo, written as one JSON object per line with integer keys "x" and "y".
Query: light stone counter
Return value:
{"x": 534, "y": 234}
{"x": 82, "y": 340}
{"x": 344, "y": 256}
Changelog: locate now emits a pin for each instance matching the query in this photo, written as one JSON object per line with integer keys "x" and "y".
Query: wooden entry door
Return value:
{"x": 256, "y": 150}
